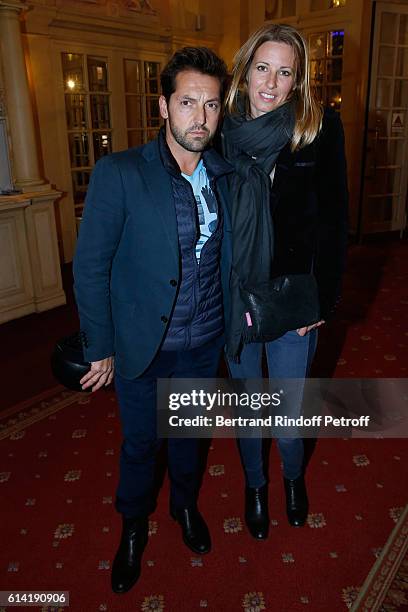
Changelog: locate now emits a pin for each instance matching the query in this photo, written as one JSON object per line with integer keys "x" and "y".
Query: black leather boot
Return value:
{"x": 195, "y": 531}
{"x": 256, "y": 511}
{"x": 127, "y": 563}
{"x": 297, "y": 504}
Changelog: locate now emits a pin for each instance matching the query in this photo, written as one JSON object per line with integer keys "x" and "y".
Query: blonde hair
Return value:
{"x": 309, "y": 111}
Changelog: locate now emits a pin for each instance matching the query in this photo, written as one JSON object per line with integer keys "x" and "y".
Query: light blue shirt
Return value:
{"x": 206, "y": 204}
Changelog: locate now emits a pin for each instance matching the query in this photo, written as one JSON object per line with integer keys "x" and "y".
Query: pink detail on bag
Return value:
{"x": 248, "y": 319}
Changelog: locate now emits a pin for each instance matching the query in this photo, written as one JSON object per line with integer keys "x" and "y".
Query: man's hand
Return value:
{"x": 100, "y": 374}
{"x": 302, "y": 331}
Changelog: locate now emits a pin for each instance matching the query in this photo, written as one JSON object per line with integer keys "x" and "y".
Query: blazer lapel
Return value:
{"x": 160, "y": 188}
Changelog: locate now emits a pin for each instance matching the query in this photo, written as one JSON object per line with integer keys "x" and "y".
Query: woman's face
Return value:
{"x": 271, "y": 77}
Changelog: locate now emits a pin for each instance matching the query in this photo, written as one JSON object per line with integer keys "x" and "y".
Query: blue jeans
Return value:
{"x": 137, "y": 402}
{"x": 290, "y": 356}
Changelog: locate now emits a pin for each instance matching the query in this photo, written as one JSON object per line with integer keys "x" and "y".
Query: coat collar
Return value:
{"x": 158, "y": 182}
{"x": 285, "y": 158}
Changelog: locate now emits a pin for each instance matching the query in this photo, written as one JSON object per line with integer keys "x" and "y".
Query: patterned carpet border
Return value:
{"x": 376, "y": 586}
{"x": 22, "y": 415}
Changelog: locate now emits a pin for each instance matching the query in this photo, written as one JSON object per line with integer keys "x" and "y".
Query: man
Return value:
{"x": 153, "y": 255}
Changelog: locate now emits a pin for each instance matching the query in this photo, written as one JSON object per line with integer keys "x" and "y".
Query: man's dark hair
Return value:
{"x": 200, "y": 59}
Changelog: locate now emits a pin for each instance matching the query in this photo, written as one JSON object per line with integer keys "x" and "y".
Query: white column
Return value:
{"x": 26, "y": 169}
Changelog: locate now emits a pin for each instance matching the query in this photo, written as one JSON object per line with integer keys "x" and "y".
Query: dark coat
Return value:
{"x": 127, "y": 258}
{"x": 310, "y": 204}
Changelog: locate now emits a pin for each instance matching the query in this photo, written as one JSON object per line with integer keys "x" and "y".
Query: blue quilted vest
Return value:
{"x": 197, "y": 316}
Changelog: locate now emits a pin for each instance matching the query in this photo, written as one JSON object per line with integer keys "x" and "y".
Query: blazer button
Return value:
{"x": 164, "y": 319}
{"x": 173, "y": 282}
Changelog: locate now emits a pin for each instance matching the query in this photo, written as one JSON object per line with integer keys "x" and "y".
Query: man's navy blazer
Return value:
{"x": 127, "y": 261}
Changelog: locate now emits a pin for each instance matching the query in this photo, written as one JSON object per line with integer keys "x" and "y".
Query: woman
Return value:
{"x": 289, "y": 216}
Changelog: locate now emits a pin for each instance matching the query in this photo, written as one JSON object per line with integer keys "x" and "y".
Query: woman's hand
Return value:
{"x": 302, "y": 331}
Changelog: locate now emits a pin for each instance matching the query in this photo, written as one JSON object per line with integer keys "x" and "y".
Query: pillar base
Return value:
{"x": 33, "y": 186}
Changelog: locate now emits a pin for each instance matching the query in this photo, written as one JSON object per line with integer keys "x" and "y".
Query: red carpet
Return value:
{"x": 369, "y": 336}
{"x": 59, "y": 469}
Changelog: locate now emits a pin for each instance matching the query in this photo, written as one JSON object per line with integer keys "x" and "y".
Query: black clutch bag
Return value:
{"x": 278, "y": 306}
{"x": 67, "y": 361}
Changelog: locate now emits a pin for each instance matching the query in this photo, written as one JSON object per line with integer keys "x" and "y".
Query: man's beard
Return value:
{"x": 187, "y": 140}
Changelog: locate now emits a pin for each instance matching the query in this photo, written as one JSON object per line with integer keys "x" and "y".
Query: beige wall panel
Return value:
{"x": 16, "y": 288}
{"x": 195, "y": 16}
{"x": 42, "y": 242}
{"x": 256, "y": 15}
{"x": 118, "y": 13}
{"x": 231, "y": 26}
{"x": 213, "y": 15}
{"x": 11, "y": 254}
{"x": 30, "y": 276}
{"x": 118, "y": 101}
{"x": 44, "y": 233}
{"x": 184, "y": 14}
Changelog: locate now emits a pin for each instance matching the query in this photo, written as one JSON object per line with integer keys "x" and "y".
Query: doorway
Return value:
{"x": 383, "y": 204}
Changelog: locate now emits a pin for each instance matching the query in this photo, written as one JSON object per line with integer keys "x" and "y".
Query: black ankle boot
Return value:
{"x": 256, "y": 511}
{"x": 127, "y": 563}
{"x": 297, "y": 504}
{"x": 194, "y": 529}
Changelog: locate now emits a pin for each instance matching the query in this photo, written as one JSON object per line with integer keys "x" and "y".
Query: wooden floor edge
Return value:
{"x": 25, "y": 404}
{"x": 359, "y": 605}
{"x": 40, "y": 415}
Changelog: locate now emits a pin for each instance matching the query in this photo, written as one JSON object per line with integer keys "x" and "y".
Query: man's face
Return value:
{"x": 193, "y": 111}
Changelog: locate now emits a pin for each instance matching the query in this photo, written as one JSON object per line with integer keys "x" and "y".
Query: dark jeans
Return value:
{"x": 288, "y": 357}
{"x": 137, "y": 402}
